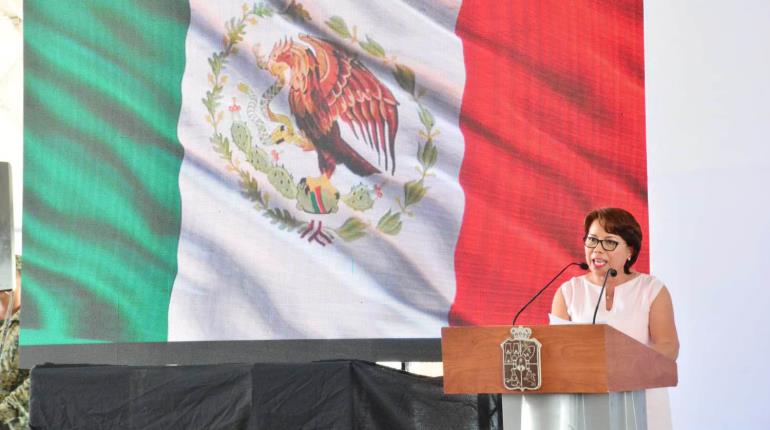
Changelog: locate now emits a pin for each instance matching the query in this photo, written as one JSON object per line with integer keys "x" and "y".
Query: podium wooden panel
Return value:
{"x": 575, "y": 359}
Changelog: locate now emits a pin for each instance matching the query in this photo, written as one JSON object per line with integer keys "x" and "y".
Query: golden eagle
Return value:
{"x": 328, "y": 84}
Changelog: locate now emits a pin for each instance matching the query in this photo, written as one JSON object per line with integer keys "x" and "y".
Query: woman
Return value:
{"x": 637, "y": 304}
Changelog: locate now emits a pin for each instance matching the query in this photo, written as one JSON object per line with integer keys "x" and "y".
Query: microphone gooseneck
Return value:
{"x": 583, "y": 266}
{"x": 613, "y": 273}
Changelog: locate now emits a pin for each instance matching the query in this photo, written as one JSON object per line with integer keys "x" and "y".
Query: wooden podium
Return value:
{"x": 592, "y": 376}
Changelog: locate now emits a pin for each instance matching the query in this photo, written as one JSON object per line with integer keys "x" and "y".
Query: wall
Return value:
{"x": 11, "y": 92}
{"x": 708, "y": 122}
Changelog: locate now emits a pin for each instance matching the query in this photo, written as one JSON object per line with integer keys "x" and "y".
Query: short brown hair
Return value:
{"x": 621, "y": 222}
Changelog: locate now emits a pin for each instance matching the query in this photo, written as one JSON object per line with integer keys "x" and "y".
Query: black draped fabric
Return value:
{"x": 319, "y": 395}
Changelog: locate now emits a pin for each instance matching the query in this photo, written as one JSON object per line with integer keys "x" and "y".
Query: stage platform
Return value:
{"x": 319, "y": 395}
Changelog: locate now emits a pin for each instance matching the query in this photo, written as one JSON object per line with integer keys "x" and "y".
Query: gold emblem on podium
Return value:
{"x": 521, "y": 360}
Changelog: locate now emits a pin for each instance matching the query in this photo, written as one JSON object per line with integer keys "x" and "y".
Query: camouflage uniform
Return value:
{"x": 14, "y": 382}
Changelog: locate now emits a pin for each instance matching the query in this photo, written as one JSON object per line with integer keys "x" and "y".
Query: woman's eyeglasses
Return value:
{"x": 607, "y": 244}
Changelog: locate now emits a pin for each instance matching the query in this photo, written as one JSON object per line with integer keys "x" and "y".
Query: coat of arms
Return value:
{"x": 521, "y": 360}
{"x": 340, "y": 113}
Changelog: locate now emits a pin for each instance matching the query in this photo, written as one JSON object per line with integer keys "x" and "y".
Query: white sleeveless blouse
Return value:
{"x": 630, "y": 314}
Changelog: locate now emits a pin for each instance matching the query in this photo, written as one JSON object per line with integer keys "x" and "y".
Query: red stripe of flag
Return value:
{"x": 553, "y": 121}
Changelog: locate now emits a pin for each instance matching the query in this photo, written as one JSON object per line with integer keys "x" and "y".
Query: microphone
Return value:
{"x": 583, "y": 266}
{"x": 613, "y": 273}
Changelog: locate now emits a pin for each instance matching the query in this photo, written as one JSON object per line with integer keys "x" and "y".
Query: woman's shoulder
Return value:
{"x": 575, "y": 282}
{"x": 648, "y": 280}
{"x": 649, "y": 284}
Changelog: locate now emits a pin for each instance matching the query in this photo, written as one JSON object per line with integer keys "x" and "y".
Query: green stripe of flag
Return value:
{"x": 101, "y": 167}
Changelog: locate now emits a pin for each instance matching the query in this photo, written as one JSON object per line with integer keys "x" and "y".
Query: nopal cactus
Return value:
{"x": 241, "y": 135}
{"x": 359, "y": 198}
{"x": 282, "y": 180}
{"x": 259, "y": 159}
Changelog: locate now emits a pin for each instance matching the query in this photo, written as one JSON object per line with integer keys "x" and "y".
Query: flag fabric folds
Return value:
{"x": 290, "y": 170}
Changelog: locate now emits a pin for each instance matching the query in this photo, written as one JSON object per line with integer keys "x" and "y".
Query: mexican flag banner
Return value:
{"x": 318, "y": 170}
